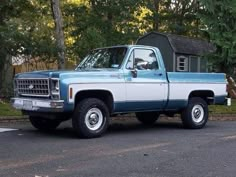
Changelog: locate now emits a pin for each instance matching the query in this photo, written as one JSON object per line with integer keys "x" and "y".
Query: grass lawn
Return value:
{"x": 7, "y": 110}
{"x": 217, "y": 109}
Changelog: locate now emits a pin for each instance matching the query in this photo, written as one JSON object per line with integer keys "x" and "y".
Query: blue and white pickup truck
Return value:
{"x": 112, "y": 81}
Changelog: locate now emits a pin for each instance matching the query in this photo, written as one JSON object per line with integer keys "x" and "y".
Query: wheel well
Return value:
{"x": 103, "y": 95}
{"x": 207, "y": 95}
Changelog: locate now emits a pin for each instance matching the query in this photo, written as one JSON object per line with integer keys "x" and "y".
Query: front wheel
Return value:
{"x": 44, "y": 124}
{"x": 195, "y": 115}
{"x": 90, "y": 118}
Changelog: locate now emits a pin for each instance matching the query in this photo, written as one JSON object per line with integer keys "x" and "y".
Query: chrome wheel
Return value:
{"x": 94, "y": 119}
{"x": 197, "y": 113}
{"x": 90, "y": 118}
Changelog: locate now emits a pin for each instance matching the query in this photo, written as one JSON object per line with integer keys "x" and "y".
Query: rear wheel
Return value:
{"x": 147, "y": 118}
{"x": 44, "y": 124}
{"x": 195, "y": 115}
{"x": 90, "y": 118}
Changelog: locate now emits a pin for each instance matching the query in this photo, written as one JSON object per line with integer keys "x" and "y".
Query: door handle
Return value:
{"x": 158, "y": 74}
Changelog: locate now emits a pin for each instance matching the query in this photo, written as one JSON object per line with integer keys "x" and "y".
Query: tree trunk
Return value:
{"x": 57, "y": 16}
{"x": 6, "y": 78}
{"x": 156, "y": 15}
{"x": 2, "y": 74}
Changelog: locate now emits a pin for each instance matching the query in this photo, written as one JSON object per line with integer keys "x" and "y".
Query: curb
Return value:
{"x": 14, "y": 119}
{"x": 212, "y": 117}
{"x": 223, "y": 117}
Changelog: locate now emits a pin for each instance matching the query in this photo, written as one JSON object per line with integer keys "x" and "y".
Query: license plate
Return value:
{"x": 27, "y": 105}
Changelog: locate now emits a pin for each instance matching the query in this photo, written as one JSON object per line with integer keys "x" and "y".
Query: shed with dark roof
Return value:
{"x": 180, "y": 53}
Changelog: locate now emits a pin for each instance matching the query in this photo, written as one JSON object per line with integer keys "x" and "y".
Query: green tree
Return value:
{"x": 90, "y": 38}
{"x": 9, "y": 35}
{"x": 174, "y": 16}
{"x": 112, "y": 22}
{"x": 219, "y": 19}
{"x": 26, "y": 30}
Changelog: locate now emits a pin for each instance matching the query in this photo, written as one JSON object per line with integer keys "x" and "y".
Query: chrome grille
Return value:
{"x": 33, "y": 87}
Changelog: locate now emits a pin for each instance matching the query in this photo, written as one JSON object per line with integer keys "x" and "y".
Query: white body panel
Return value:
{"x": 181, "y": 91}
{"x": 134, "y": 91}
{"x": 146, "y": 91}
{"x": 116, "y": 89}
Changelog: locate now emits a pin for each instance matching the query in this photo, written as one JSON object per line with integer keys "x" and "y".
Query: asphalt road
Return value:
{"x": 127, "y": 149}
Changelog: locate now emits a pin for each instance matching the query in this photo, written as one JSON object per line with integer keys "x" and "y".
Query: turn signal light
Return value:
{"x": 71, "y": 93}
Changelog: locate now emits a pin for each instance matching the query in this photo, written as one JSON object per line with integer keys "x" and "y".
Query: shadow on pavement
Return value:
{"x": 115, "y": 128}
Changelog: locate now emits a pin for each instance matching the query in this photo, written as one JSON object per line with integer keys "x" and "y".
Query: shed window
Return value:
{"x": 182, "y": 63}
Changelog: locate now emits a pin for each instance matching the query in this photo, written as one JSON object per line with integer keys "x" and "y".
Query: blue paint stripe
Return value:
{"x": 148, "y": 106}
{"x": 196, "y": 77}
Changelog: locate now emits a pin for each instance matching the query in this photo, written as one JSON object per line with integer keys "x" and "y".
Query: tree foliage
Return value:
{"x": 112, "y": 22}
{"x": 28, "y": 30}
{"x": 174, "y": 16}
{"x": 219, "y": 19}
{"x": 10, "y": 38}
{"x": 27, "y": 27}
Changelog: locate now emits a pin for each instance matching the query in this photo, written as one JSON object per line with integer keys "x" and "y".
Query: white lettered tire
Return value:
{"x": 90, "y": 118}
{"x": 195, "y": 115}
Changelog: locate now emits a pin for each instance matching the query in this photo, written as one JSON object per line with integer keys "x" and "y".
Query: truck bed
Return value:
{"x": 183, "y": 84}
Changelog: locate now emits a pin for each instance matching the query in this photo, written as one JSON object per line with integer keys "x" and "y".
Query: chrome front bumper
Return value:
{"x": 40, "y": 105}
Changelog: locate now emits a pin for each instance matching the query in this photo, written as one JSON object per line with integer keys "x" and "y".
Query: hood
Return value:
{"x": 67, "y": 74}
{"x": 40, "y": 74}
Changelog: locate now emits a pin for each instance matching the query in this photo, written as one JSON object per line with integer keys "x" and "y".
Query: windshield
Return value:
{"x": 104, "y": 58}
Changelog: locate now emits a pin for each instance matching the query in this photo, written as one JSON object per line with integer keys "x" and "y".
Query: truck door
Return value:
{"x": 145, "y": 81}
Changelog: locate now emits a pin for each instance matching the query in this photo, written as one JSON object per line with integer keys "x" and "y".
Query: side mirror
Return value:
{"x": 134, "y": 73}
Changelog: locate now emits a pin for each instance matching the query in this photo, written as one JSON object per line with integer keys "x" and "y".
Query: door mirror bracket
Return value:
{"x": 134, "y": 73}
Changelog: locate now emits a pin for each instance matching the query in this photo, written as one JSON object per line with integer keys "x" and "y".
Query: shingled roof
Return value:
{"x": 187, "y": 45}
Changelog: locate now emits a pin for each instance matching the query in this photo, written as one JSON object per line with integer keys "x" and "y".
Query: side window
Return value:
{"x": 182, "y": 63}
{"x": 142, "y": 59}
